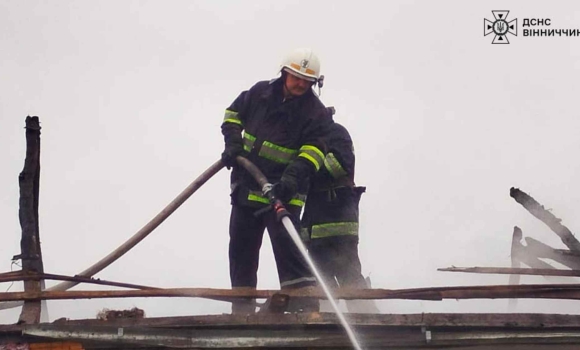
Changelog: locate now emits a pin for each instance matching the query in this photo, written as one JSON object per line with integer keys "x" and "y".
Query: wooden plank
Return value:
{"x": 23, "y": 276}
{"x": 405, "y": 320}
{"x": 232, "y": 338}
{"x": 539, "y": 291}
{"x": 307, "y": 336}
{"x": 514, "y": 271}
{"x": 31, "y": 256}
{"x": 554, "y": 223}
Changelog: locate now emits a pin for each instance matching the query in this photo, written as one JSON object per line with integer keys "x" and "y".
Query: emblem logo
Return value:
{"x": 500, "y": 27}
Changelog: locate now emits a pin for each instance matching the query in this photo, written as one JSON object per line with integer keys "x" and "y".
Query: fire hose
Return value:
{"x": 138, "y": 236}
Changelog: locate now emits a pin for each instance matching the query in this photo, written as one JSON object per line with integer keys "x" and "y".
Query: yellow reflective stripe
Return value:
{"x": 235, "y": 121}
{"x": 314, "y": 149}
{"x": 277, "y": 153}
{"x": 248, "y": 141}
{"x": 280, "y": 148}
{"x": 232, "y": 117}
{"x": 313, "y": 154}
{"x": 333, "y": 166}
{"x": 296, "y": 281}
{"x": 256, "y": 196}
{"x": 312, "y": 160}
{"x": 296, "y": 202}
{"x": 334, "y": 229}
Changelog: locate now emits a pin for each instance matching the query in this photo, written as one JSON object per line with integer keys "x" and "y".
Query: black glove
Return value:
{"x": 234, "y": 147}
{"x": 285, "y": 189}
{"x": 230, "y": 153}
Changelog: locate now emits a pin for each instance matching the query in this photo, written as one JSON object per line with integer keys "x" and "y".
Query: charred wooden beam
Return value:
{"x": 530, "y": 255}
{"x": 23, "y": 276}
{"x": 541, "y": 250}
{"x": 569, "y": 253}
{"x": 29, "y": 180}
{"x": 303, "y": 320}
{"x": 516, "y": 245}
{"x": 541, "y": 291}
{"x": 306, "y": 319}
{"x": 515, "y": 279}
{"x": 554, "y": 223}
{"x": 534, "y": 262}
{"x": 520, "y": 253}
{"x": 514, "y": 271}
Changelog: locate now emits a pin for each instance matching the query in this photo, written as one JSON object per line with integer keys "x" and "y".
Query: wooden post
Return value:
{"x": 515, "y": 279}
{"x": 29, "y": 180}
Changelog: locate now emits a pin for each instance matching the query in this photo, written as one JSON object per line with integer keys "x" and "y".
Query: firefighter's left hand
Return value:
{"x": 230, "y": 153}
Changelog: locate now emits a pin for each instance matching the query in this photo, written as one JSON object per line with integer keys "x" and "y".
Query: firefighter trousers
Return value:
{"x": 246, "y": 233}
{"x": 338, "y": 262}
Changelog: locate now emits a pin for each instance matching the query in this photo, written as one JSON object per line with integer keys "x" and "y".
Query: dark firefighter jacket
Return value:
{"x": 282, "y": 138}
{"x": 332, "y": 206}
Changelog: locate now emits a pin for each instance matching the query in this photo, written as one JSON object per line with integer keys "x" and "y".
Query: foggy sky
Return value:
{"x": 131, "y": 94}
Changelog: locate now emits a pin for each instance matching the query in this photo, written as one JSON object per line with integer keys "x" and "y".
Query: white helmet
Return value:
{"x": 302, "y": 63}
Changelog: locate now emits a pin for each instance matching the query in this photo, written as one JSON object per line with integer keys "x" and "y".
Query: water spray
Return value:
{"x": 296, "y": 238}
{"x": 283, "y": 215}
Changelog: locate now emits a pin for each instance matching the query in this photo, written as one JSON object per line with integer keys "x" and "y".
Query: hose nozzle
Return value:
{"x": 267, "y": 189}
{"x": 275, "y": 203}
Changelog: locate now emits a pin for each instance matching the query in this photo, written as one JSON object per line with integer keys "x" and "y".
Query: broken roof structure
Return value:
{"x": 271, "y": 328}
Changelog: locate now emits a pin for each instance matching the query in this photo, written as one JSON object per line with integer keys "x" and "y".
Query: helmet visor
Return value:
{"x": 298, "y": 75}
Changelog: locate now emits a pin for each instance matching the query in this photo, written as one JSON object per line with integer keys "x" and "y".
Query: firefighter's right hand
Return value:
{"x": 285, "y": 189}
{"x": 230, "y": 153}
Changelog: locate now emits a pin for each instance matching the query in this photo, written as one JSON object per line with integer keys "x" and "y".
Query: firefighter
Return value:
{"x": 331, "y": 218}
{"x": 278, "y": 125}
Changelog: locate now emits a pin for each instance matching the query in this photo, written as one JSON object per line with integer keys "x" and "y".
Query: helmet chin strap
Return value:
{"x": 320, "y": 84}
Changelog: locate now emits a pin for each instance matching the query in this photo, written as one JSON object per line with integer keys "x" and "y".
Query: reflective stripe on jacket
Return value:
{"x": 334, "y": 229}
{"x": 333, "y": 199}
{"x": 277, "y": 133}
